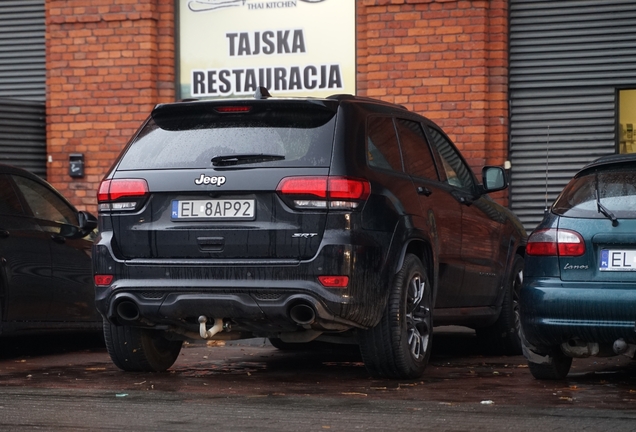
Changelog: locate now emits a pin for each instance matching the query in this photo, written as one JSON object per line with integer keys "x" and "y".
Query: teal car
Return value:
{"x": 578, "y": 297}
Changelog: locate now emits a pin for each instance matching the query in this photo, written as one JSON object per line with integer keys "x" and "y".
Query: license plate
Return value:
{"x": 618, "y": 260}
{"x": 213, "y": 209}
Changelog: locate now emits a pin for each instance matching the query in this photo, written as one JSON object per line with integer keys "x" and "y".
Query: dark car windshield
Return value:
{"x": 290, "y": 138}
{"x": 616, "y": 192}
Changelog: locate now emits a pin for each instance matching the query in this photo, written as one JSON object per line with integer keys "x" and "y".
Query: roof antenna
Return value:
{"x": 262, "y": 93}
{"x": 547, "y": 165}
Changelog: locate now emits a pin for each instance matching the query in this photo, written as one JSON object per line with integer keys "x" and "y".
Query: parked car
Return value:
{"x": 46, "y": 281}
{"x": 579, "y": 290}
{"x": 342, "y": 219}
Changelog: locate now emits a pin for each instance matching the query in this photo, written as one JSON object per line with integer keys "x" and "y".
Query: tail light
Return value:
{"x": 334, "y": 281}
{"x": 103, "y": 280}
{"x": 121, "y": 194}
{"x": 339, "y": 193}
{"x": 555, "y": 242}
{"x": 233, "y": 109}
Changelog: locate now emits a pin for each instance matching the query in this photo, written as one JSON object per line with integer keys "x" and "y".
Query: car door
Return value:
{"x": 387, "y": 173}
{"x": 481, "y": 227}
{"x": 442, "y": 212}
{"x": 25, "y": 260}
{"x": 70, "y": 289}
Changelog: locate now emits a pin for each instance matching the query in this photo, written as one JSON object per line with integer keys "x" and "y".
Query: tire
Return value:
{"x": 557, "y": 369}
{"x": 135, "y": 349}
{"x": 399, "y": 346}
{"x": 503, "y": 336}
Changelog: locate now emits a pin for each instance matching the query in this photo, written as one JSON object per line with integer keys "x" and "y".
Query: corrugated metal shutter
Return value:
{"x": 23, "y": 135}
{"x": 23, "y": 85}
{"x": 22, "y": 50}
{"x": 567, "y": 60}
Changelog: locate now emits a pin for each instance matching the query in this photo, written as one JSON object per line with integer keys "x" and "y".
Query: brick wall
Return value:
{"x": 108, "y": 63}
{"x": 446, "y": 59}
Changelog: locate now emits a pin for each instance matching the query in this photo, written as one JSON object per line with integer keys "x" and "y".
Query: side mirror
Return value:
{"x": 494, "y": 178}
{"x": 87, "y": 222}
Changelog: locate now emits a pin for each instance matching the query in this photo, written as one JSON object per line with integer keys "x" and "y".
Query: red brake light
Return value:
{"x": 232, "y": 109}
{"x": 348, "y": 188}
{"x": 344, "y": 193}
{"x": 553, "y": 242}
{"x": 111, "y": 190}
{"x": 334, "y": 281}
{"x": 103, "y": 280}
{"x": 316, "y": 186}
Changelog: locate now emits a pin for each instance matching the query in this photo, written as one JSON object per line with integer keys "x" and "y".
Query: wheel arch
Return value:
{"x": 424, "y": 251}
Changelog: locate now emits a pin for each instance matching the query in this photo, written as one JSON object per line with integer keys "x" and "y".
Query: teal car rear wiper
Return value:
{"x": 601, "y": 208}
{"x": 240, "y": 159}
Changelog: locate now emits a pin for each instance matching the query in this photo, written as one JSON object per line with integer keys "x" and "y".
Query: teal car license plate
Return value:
{"x": 618, "y": 260}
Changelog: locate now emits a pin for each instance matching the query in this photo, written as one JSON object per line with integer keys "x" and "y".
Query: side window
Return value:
{"x": 382, "y": 145}
{"x": 457, "y": 173}
{"x": 9, "y": 202}
{"x": 417, "y": 154}
{"x": 44, "y": 203}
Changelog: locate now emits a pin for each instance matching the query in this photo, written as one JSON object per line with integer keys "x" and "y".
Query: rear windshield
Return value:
{"x": 616, "y": 191}
{"x": 298, "y": 137}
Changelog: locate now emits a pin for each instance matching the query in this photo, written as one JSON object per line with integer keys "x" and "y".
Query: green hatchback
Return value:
{"x": 578, "y": 297}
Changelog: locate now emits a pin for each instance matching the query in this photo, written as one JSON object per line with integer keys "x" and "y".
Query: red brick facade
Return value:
{"x": 110, "y": 61}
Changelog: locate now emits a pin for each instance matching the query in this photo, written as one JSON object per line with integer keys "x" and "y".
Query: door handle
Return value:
{"x": 4, "y": 233}
{"x": 421, "y": 190}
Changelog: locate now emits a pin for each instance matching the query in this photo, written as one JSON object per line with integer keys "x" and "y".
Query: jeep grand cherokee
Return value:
{"x": 336, "y": 219}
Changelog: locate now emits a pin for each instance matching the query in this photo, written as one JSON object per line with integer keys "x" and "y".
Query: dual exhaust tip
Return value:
{"x": 300, "y": 313}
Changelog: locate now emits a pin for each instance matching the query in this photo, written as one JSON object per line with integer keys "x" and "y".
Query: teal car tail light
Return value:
{"x": 555, "y": 242}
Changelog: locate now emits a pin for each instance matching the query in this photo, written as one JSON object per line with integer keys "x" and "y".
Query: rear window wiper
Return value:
{"x": 602, "y": 209}
{"x": 240, "y": 159}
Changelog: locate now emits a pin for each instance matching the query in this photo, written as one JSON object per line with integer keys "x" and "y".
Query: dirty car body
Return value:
{"x": 342, "y": 219}
{"x": 579, "y": 292}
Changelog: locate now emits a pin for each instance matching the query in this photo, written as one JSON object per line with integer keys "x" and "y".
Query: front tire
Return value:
{"x": 399, "y": 346}
{"x": 135, "y": 349}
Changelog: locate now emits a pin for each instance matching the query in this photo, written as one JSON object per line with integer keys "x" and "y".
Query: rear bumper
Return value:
{"x": 255, "y": 296}
{"x": 553, "y": 312}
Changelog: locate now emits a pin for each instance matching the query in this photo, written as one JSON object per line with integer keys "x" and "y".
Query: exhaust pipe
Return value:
{"x": 302, "y": 314}
{"x": 128, "y": 311}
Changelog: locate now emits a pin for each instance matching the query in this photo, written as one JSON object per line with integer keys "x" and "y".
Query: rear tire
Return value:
{"x": 557, "y": 369}
{"x": 135, "y": 349}
{"x": 400, "y": 345}
{"x": 503, "y": 336}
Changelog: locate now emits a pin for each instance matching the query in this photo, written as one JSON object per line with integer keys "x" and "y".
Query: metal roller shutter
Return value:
{"x": 567, "y": 59}
{"x": 23, "y": 135}
{"x": 23, "y": 84}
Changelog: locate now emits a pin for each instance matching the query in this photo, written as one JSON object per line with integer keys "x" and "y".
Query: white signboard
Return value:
{"x": 228, "y": 48}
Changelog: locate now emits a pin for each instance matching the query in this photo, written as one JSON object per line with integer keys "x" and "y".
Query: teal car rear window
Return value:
{"x": 614, "y": 189}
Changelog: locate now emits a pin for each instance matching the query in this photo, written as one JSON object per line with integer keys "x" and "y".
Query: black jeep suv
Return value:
{"x": 339, "y": 219}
